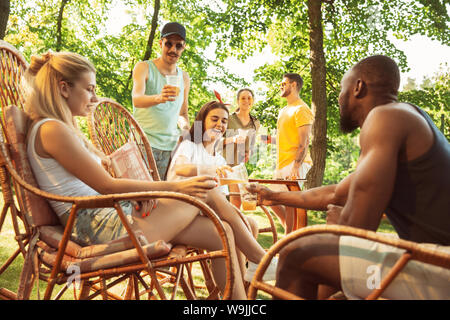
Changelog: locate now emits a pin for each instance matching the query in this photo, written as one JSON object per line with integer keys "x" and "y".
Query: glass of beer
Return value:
{"x": 248, "y": 199}
{"x": 174, "y": 81}
{"x": 238, "y": 175}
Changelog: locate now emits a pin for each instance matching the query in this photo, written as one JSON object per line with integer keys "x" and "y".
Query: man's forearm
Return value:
{"x": 146, "y": 101}
{"x": 312, "y": 199}
{"x": 300, "y": 155}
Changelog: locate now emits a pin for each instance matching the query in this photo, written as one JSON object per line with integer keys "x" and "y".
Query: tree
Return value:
{"x": 318, "y": 94}
{"x": 351, "y": 30}
{"x": 410, "y": 84}
{"x": 151, "y": 37}
{"x": 59, "y": 24}
{"x": 82, "y": 26}
{"x": 4, "y": 16}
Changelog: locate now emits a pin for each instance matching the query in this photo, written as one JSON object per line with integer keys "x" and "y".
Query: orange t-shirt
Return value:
{"x": 290, "y": 119}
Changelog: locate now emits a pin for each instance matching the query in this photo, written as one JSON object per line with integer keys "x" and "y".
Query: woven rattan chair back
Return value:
{"x": 12, "y": 68}
{"x": 111, "y": 125}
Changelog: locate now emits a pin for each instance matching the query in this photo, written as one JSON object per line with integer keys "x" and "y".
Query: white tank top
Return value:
{"x": 53, "y": 178}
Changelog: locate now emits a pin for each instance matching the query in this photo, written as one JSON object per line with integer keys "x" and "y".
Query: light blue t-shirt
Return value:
{"x": 160, "y": 121}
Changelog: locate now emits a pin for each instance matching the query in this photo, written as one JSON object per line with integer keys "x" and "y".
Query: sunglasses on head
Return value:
{"x": 178, "y": 45}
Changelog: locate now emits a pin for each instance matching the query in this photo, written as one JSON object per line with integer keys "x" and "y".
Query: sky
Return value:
{"x": 424, "y": 58}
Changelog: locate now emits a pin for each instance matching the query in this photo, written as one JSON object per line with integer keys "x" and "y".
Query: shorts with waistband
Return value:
{"x": 364, "y": 263}
{"x": 98, "y": 225}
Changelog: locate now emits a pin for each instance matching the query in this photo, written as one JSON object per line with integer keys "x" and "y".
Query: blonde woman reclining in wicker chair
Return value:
{"x": 65, "y": 163}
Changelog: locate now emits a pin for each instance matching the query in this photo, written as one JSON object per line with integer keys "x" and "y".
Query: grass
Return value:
{"x": 10, "y": 278}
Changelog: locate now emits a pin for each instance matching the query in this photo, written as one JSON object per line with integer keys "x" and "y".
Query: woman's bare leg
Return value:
{"x": 178, "y": 222}
{"x": 253, "y": 226}
{"x": 201, "y": 233}
{"x": 244, "y": 238}
{"x": 167, "y": 220}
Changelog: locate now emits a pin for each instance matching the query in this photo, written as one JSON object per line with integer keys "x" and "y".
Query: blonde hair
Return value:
{"x": 43, "y": 96}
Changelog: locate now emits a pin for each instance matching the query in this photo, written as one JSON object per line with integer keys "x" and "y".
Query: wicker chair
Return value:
{"x": 99, "y": 267}
{"x": 110, "y": 126}
{"x": 414, "y": 251}
{"x": 12, "y": 68}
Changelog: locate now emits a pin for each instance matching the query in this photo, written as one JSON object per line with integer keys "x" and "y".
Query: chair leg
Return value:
{"x": 85, "y": 289}
{"x": 272, "y": 228}
{"x": 10, "y": 260}
{"x": 3, "y": 215}
{"x": 130, "y": 288}
{"x": 6, "y": 294}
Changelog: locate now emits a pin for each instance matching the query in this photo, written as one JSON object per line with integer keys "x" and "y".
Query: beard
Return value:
{"x": 285, "y": 93}
{"x": 346, "y": 123}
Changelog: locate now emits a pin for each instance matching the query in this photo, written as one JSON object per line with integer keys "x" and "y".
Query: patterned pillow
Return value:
{"x": 16, "y": 132}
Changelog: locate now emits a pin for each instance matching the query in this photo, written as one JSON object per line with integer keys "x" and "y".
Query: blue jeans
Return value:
{"x": 162, "y": 159}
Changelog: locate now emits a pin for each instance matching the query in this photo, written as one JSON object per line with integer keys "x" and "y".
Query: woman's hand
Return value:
{"x": 240, "y": 139}
{"x": 196, "y": 186}
{"x": 222, "y": 171}
{"x": 143, "y": 208}
{"x": 106, "y": 163}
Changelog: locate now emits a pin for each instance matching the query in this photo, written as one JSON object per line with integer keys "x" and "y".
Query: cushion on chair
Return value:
{"x": 16, "y": 132}
{"x": 153, "y": 250}
{"x": 52, "y": 235}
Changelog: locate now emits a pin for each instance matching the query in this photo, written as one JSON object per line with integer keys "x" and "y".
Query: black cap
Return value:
{"x": 173, "y": 28}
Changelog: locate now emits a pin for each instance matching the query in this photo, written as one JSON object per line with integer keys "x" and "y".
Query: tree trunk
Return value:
{"x": 4, "y": 16}
{"x": 59, "y": 25}
{"x": 151, "y": 37}
{"x": 319, "y": 96}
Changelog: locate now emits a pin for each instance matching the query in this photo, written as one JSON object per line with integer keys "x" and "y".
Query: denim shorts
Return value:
{"x": 99, "y": 225}
{"x": 162, "y": 158}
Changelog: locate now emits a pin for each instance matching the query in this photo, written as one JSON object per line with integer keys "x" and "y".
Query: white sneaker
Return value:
{"x": 271, "y": 271}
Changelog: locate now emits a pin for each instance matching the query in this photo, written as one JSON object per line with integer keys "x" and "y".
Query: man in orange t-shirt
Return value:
{"x": 293, "y": 136}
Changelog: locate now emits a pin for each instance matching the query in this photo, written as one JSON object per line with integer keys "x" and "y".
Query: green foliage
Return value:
{"x": 352, "y": 30}
{"x": 434, "y": 99}
{"x": 261, "y": 164}
{"x": 85, "y": 29}
{"x": 342, "y": 156}
{"x": 219, "y": 29}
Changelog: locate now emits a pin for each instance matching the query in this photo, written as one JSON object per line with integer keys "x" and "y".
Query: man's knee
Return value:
{"x": 312, "y": 254}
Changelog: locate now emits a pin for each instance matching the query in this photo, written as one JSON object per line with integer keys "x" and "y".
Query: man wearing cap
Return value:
{"x": 155, "y": 103}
